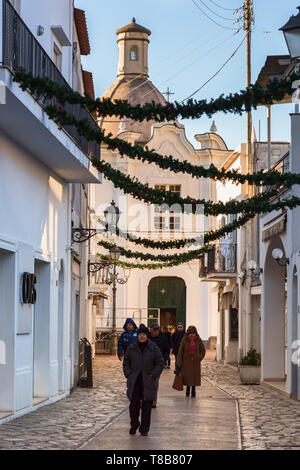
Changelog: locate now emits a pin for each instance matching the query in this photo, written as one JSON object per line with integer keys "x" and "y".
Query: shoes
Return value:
{"x": 187, "y": 393}
{"x": 193, "y": 392}
{"x": 144, "y": 434}
{"x": 132, "y": 431}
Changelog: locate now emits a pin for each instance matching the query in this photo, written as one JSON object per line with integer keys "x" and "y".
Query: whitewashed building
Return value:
{"x": 38, "y": 166}
{"x": 174, "y": 294}
{"x": 235, "y": 290}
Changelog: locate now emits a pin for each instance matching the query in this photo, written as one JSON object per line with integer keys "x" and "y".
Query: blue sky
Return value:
{"x": 187, "y": 48}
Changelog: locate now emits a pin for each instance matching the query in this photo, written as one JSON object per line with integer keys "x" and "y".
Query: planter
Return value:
{"x": 250, "y": 375}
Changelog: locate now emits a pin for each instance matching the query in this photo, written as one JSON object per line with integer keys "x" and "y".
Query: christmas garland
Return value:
{"x": 142, "y": 191}
{"x": 177, "y": 259}
{"x": 235, "y": 103}
{"x": 43, "y": 86}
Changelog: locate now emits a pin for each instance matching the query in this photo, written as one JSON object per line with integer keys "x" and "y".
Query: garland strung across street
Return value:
{"x": 235, "y": 103}
{"x": 245, "y": 101}
{"x": 48, "y": 89}
{"x": 176, "y": 259}
{"x": 141, "y": 191}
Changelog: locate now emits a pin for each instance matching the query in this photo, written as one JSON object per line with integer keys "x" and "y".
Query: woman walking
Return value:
{"x": 191, "y": 353}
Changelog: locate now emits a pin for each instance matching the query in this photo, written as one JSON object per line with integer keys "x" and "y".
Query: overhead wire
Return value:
{"x": 223, "y": 8}
{"x": 177, "y": 61}
{"x": 217, "y": 14}
{"x": 201, "y": 57}
{"x": 211, "y": 19}
{"x": 219, "y": 70}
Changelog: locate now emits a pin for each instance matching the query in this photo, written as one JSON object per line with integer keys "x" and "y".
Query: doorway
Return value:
{"x": 169, "y": 295}
{"x": 168, "y": 318}
{"x": 7, "y": 329}
{"x": 60, "y": 329}
{"x": 274, "y": 317}
{"x": 41, "y": 333}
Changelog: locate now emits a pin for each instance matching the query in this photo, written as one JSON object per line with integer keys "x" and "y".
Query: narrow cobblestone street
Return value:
{"x": 267, "y": 419}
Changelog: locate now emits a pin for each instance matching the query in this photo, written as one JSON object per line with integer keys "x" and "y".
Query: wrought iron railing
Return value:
{"x": 22, "y": 50}
{"x": 220, "y": 259}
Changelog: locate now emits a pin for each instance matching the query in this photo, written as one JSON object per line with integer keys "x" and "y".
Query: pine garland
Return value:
{"x": 142, "y": 191}
{"x": 44, "y": 87}
{"x": 235, "y": 103}
{"x": 177, "y": 259}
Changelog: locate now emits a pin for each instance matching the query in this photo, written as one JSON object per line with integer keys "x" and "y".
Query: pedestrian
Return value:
{"x": 191, "y": 353}
{"x": 176, "y": 340}
{"x": 161, "y": 341}
{"x": 167, "y": 334}
{"x": 142, "y": 365}
{"x": 129, "y": 336}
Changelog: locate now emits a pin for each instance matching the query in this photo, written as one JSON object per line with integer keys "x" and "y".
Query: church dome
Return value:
{"x": 136, "y": 91}
{"x": 133, "y": 83}
{"x": 133, "y": 27}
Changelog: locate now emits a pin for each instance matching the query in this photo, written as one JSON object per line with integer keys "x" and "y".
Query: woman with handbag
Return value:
{"x": 191, "y": 353}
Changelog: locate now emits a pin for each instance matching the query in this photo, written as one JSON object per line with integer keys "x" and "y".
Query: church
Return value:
{"x": 168, "y": 295}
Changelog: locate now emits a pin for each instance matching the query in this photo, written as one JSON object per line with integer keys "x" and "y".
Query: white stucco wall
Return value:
{"x": 34, "y": 225}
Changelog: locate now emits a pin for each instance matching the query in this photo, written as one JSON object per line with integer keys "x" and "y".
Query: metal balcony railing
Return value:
{"x": 220, "y": 259}
{"x": 22, "y": 50}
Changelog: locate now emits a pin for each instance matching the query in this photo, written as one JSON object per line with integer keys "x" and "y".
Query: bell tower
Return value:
{"x": 133, "y": 50}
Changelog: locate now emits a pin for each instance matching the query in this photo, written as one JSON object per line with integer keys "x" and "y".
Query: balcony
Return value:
{"x": 219, "y": 263}
{"x": 23, "y": 118}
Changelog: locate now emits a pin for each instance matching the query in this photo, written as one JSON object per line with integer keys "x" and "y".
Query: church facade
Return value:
{"x": 172, "y": 294}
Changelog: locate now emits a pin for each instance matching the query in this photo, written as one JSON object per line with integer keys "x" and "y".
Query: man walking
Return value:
{"x": 129, "y": 336}
{"x": 176, "y": 340}
{"x": 161, "y": 341}
{"x": 142, "y": 366}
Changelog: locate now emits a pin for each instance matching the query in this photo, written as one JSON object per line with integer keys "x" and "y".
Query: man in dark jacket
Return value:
{"x": 161, "y": 341}
{"x": 129, "y": 336}
{"x": 176, "y": 340}
{"x": 142, "y": 365}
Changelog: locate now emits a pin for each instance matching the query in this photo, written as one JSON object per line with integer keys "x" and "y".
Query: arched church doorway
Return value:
{"x": 169, "y": 295}
{"x": 275, "y": 316}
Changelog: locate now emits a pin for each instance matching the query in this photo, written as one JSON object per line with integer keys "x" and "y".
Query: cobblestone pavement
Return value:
{"x": 68, "y": 423}
{"x": 268, "y": 420}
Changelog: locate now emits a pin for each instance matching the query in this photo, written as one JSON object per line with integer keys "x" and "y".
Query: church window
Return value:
{"x": 165, "y": 220}
{"x": 134, "y": 53}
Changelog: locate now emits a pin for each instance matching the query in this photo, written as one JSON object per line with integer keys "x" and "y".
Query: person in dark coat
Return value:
{"x": 191, "y": 353}
{"x": 129, "y": 336}
{"x": 176, "y": 340}
{"x": 142, "y": 366}
{"x": 167, "y": 334}
{"x": 161, "y": 341}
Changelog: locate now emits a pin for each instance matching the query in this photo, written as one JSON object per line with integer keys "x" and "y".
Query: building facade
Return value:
{"x": 39, "y": 166}
{"x": 169, "y": 294}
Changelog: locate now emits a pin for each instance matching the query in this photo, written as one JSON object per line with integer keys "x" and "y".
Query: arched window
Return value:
{"x": 134, "y": 53}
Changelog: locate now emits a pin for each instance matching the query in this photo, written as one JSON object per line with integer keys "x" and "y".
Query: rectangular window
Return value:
{"x": 234, "y": 323}
{"x": 57, "y": 57}
{"x": 167, "y": 220}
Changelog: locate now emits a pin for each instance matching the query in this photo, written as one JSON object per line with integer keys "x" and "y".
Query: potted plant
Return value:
{"x": 249, "y": 368}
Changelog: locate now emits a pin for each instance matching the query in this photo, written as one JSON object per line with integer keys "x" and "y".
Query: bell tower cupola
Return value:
{"x": 133, "y": 50}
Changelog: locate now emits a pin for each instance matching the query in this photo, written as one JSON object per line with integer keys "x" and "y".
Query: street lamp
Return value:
{"x": 109, "y": 275}
{"x": 291, "y": 31}
{"x": 278, "y": 254}
{"x": 112, "y": 215}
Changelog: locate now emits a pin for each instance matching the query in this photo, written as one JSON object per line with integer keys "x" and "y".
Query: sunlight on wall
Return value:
{"x": 2, "y": 353}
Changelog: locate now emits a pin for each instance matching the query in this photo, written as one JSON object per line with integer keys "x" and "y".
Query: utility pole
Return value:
{"x": 250, "y": 228}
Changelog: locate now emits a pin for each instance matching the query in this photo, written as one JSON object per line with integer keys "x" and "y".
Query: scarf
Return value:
{"x": 192, "y": 349}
